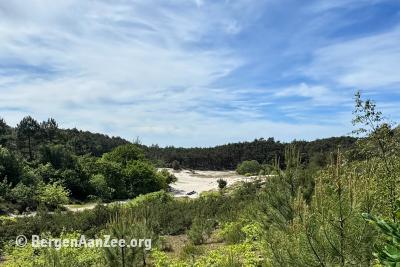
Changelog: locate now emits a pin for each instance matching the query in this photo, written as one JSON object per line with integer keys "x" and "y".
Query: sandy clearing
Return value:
{"x": 200, "y": 181}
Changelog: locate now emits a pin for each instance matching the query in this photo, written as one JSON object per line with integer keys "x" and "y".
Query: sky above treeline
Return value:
{"x": 199, "y": 73}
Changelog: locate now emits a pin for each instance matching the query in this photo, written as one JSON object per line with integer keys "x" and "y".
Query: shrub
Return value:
{"x": 190, "y": 251}
{"x": 387, "y": 254}
{"x": 222, "y": 183}
{"x": 141, "y": 178}
{"x": 53, "y": 195}
{"x": 231, "y": 256}
{"x": 200, "y": 230}
{"x": 167, "y": 176}
{"x": 249, "y": 167}
{"x": 232, "y": 232}
{"x": 65, "y": 256}
{"x": 24, "y": 196}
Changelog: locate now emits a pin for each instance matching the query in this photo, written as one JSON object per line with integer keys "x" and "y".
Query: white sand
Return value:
{"x": 200, "y": 181}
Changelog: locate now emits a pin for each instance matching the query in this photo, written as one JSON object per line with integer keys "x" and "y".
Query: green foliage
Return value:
{"x": 62, "y": 257}
{"x": 250, "y": 167}
{"x": 125, "y": 227}
{"x": 231, "y": 232}
{"x": 141, "y": 178}
{"x": 387, "y": 254}
{"x": 200, "y": 230}
{"x": 53, "y": 195}
{"x": 101, "y": 189}
{"x": 229, "y": 156}
{"x": 190, "y": 252}
{"x": 222, "y": 183}
{"x": 28, "y": 131}
{"x": 230, "y": 256}
{"x": 23, "y": 195}
{"x": 160, "y": 259}
{"x": 10, "y": 168}
{"x": 89, "y": 223}
{"x": 5, "y": 132}
{"x": 381, "y": 142}
{"x": 57, "y": 155}
{"x": 50, "y": 130}
{"x": 167, "y": 176}
{"x": 124, "y": 154}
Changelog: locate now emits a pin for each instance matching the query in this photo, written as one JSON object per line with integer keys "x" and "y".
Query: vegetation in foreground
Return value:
{"x": 344, "y": 214}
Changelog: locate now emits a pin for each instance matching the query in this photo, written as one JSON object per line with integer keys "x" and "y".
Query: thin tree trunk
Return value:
{"x": 30, "y": 148}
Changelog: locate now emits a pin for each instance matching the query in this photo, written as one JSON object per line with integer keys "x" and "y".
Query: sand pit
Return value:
{"x": 196, "y": 182}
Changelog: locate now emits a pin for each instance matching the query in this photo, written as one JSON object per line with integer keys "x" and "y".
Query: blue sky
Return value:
{"x": 199, "y": 73}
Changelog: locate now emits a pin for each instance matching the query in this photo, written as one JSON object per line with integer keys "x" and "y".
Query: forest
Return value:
{"x": 227, "y": 157}
{"x": 329, "y": 202}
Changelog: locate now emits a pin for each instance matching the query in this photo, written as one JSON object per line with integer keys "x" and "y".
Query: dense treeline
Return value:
{"x": 30, "y": 136}
{"x": 265, "y": 151}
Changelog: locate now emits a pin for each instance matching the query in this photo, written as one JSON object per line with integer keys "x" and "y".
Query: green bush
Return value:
{"x": 249, "y": 167}
{"x": 53, "y": 195}
{"x": 167, "y": 176}
{"x": 141, "y": 177}
{"x": 200, "y": 230}
{"x": 232, "y": 232}
{"x": 222, "y": 183}
{"x": 24, "y": 196}
{"x": 190, "y": 251}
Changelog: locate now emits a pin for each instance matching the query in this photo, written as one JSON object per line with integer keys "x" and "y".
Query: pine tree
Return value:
{"x": 27, "y": 132}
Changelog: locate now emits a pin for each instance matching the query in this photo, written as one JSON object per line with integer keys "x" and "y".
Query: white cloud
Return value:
{"x": 367, "y": 62}
{"x": 318, "y": 94}
{"x": 126, "y": 68}
{"x": 325, "y": 5}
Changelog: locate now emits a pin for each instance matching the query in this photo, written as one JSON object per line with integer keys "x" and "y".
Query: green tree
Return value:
{"x": 5, "y": 131}
{"x": 27, "y": 131}
{"x": 57, "y": 155}
{"x": 126, "y": 226}
{"x": 10, "y": 168}
{"x": 335, "y": 231}
{"x": 249, "y": 167}
{"x": 380, "y": 141}
{"x": 141, "y": 178}
{"x": 49, "y": 129}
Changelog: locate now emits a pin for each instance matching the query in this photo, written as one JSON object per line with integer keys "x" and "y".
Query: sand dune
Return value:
{"x": 200, "y": 181}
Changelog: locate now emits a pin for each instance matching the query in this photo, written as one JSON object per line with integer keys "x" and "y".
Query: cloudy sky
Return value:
{"x": 198, "y": 73}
